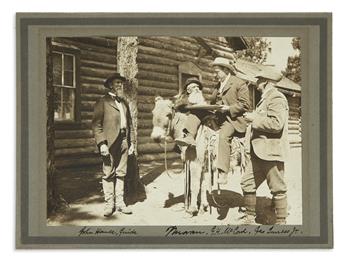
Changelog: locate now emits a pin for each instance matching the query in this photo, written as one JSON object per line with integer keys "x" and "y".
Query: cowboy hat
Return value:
{"x": 112, "y": 77}
{"x": 270, "y": 75}
{"x": 192, "y": 80}
{"x": 246, "y": 77}
{"x": 227, "y": 63}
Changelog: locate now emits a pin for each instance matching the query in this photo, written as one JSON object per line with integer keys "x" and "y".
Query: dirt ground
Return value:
{"x": 164, "y": 202}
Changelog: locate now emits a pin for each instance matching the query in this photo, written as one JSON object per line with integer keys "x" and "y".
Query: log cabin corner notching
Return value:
{"x": 154, "y": 66}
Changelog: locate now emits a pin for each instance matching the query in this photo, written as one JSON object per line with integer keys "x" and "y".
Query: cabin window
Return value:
{"x": 65, "y": 82}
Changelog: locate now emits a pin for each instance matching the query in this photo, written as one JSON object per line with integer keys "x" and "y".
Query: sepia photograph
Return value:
{"x": 174, "y": 130}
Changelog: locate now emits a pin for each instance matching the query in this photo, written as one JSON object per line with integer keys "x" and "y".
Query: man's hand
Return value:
{"x": 131, "y": 149}
{"x": 225, "y": 109}
{"x": 249, "y": 117}
{"x": 104, "y": 150}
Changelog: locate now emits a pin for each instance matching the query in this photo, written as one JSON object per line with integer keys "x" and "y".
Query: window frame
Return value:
{"x": 75, "y": 52}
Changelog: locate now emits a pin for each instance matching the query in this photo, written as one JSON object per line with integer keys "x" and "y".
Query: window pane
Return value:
{"x": 68, "y": 104}
{"x": 57, "y": 68}
{"x": 68, "y": 70}
{"x": 68, "y": 78}
{"x": 68, "y": 112}
{"x": 68, "y": 62}
{"x": 68, "y": 95}
{"x": 64, "y": 77}
{"x": 57, "y": 103}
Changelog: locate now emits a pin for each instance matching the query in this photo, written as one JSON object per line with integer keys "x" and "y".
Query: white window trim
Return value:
{"x": 63, "y": 70}
{"x": 63, "y": 86}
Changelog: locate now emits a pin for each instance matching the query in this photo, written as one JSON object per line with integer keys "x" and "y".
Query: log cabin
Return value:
{"x": 153, "y": 66}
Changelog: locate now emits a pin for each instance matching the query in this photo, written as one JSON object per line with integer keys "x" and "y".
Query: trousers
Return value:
{"x": 258, "y": 170}
{"x": 119, "y": 154}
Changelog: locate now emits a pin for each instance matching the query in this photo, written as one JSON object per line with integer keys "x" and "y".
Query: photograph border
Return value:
{"x": 321, "y": 20}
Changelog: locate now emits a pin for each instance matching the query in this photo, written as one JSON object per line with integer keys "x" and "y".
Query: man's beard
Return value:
{"x": 118, "y": 93}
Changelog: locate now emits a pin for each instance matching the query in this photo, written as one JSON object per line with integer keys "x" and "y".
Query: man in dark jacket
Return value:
{"x": 113, "y": 131}
{"x": 268, "y": 147}
{"x": 232, "y": 93}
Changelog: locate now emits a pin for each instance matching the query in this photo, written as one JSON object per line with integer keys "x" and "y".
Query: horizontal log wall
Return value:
{"x": 295, "y": 132}
{"x": 74, "y": 144}
{"x": 158, "y": 60}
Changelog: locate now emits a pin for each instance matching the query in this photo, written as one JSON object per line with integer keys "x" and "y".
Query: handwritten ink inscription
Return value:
{"x": 89, "y": 231}
{"x": 288, "y": 231}
{"x": 183, "y": 231}
{"x": 175, "y": 231}
{"x": 285, "y": 231}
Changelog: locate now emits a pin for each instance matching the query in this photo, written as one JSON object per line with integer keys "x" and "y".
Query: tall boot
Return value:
{"x": 249, "y": 205}
{"x": 119, "y": 191}
{"x": 280, "y": 207}
{"x": 108, "y": 189}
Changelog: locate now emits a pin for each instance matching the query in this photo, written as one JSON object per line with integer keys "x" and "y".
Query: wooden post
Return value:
{"x": 127, "y": 51}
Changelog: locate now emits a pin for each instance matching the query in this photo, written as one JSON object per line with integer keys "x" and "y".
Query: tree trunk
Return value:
{"x": 127, "y": 66}
{"x": 127, "y": 51}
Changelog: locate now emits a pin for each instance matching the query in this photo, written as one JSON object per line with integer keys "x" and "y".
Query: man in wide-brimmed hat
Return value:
{"x": 268, "y": 147}
{"x": 114, "y": 134}
{"x": 232, "y": 93}
{"x": 191, "y": 94}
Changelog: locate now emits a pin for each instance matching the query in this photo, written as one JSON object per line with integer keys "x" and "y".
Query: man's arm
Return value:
{"x": 243, "y": 102}
{"x": 97, "y": 123}
{"x": 181, "y": 103}
{"x": 274, "y": 120}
